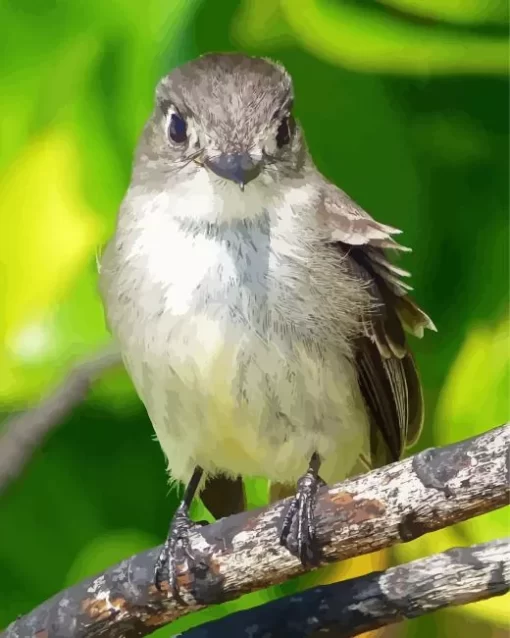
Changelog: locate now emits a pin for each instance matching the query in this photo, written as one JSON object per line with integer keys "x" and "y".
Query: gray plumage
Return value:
{"x": 262, "y": 324}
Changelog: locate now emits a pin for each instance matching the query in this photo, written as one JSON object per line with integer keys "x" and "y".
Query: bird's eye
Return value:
{"x": 284, "y": 132}
{"x": 177, "y": 129}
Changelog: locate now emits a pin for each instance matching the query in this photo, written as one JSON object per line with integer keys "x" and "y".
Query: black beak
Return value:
{"x": 239, "y": 167}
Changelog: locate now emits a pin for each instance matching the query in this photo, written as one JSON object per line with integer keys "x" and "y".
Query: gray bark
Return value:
{"x": 351, "y": 607}
{"x": 397, "y": 503}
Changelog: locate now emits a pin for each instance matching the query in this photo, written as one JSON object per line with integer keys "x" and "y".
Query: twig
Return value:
{"x": 456, "y": 577}
{"x": 22, "y": 433}
{"x": 397, "y": 503}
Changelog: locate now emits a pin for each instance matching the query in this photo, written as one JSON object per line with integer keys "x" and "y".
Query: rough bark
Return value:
{"x": 397, "y": 503}
{"x": 456, "y": 577}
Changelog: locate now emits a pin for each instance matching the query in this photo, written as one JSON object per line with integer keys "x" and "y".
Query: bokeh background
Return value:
{"x": 405, "y": 106}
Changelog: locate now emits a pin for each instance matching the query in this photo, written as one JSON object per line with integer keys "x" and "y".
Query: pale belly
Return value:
{"x": 216, "y": 334}
{"x": 222, "y": 397}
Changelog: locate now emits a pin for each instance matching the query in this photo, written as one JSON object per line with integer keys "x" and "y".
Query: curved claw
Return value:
{"x": 301, "y": 515}
{"x": 176, "y": 543}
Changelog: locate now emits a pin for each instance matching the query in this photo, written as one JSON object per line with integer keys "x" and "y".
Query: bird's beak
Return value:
{"x": 239, "y": 168}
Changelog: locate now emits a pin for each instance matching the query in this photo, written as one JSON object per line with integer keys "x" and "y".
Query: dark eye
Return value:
{"x": 177, "y": 129}
{"x": 284, "y": 132}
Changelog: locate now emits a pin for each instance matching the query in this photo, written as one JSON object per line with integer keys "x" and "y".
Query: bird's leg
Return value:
{"x": 301, "y": 514}
{"x": 178, "y": 534}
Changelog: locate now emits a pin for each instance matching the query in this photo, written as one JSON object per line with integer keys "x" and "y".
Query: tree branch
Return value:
{"x": 351, "y": 607}
{"x": 22, "y": 433}
{"x": 397, "y": 503}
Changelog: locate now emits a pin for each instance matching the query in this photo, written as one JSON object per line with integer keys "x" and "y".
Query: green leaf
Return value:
{"x": 257, "y": 492}
{"x": 364, "y": 39}
{"x": 456, "y": 11}
{"x": 475, "y": 395}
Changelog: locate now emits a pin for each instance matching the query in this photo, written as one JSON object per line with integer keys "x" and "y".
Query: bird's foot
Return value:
{"x": 301, "y": 516}
{"x": 176, "y": 545}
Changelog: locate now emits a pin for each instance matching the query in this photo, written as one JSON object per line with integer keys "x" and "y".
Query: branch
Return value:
{"x": 351, "y": 607}
{"x": 397, "y": 503}
{"x": 22, "y": 433}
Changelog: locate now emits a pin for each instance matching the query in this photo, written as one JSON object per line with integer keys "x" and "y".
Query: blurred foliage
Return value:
{"x": 405, "y": 105}
{"x": 457, "y": 11}
{"x": 366, "y": 37}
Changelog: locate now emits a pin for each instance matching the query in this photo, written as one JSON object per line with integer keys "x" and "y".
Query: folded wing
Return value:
{"x": 386, "y": 370}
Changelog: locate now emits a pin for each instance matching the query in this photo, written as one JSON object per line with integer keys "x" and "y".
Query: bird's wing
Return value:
{"x": 386, "y": 370}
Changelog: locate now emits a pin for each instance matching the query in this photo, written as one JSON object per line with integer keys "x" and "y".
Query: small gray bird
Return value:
{"x": 256, "y": 309}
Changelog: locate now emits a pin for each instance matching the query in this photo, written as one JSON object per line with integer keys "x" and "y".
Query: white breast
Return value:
{"x": 227, "y": 381}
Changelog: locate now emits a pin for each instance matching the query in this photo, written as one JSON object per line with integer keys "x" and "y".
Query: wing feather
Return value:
{"x": 386, "y": 369}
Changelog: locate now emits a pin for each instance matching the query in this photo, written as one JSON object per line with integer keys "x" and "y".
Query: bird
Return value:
{"x": 256, "y": 306}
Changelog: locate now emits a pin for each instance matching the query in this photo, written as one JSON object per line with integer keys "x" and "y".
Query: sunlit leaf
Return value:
{"x": 48, "y": 234}
{"x": 256, "y": 491}
{"x": 475, "y": 395}
{"x": 43, "y": 68}
{"x": 460, "y": 11}
{"x": 261, "y": 21}
{"x": 359, "y": 38}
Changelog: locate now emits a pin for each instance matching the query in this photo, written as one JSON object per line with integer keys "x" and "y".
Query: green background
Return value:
{"x": 404, "y": 105}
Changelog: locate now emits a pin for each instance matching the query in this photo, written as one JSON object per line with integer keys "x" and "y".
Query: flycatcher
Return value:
{"x": 256, "y": 309}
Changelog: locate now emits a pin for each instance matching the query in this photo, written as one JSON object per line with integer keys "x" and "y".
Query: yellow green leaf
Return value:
{"x": 475, "y": 396}
{"x": 262, "y": 21}
{"x": 359, "y": 38}
{"x": 48, "y": 235}
{"x": 457, "y": 11}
